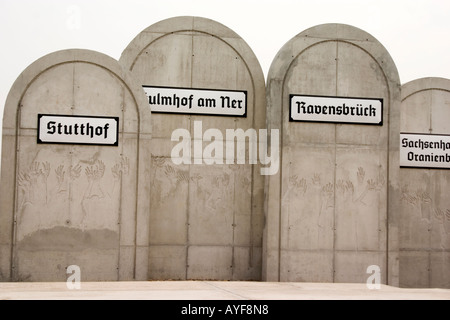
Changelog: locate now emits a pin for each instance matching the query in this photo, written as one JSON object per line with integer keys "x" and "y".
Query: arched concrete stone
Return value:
{"x": 79, "y": 205}
{"x": 206, "y": 220}
{"x": 424, "y": 233}
{"x": 329, "y": 212}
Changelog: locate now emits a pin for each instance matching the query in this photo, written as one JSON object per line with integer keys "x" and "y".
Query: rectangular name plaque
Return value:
{"x": 197, "y": 101}
{"x": 424, "y": 151}
{"x": 64, "y": 129}
{"x": 336, "y": 109}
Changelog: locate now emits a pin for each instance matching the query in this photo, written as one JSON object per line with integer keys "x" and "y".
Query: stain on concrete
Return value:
{"x": 71, "y": 239}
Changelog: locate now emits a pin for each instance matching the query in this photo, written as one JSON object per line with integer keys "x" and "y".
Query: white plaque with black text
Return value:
{"x": 65, "y": 129}
{"x": 336, "y": 109}
{"x": 418, "y": 150}
{"x": 197, "y": 101}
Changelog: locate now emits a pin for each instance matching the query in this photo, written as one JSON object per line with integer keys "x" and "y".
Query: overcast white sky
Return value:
{"x": 415, "y": 32}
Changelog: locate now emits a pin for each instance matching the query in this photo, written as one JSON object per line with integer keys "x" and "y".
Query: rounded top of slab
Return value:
{"x": 200, "y": 53}
{"x": 184, "y": 24}
{"x": 45, "y": 63}
{"x": 332, "y": 32}
{"x": 422, "y": 84}
{"x": 192, "y": 23}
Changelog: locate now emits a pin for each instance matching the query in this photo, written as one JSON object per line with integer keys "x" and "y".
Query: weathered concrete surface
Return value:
{"x": 425, "y": 205}
{"x": 79, "y": 205}
{"x": 206, "y": 221}
{"x": 213, "y": 290}
{"x": 328, "y": 209}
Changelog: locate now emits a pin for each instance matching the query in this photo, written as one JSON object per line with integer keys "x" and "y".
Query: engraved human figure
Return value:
{"x": 118, "y": 171}
{"x": 31, "y": 185}
{"x": 63, "y": 184}
{"x": 60, "y": 176}
{"x": 45, "y": 172}
{"x": 94, "y": 174}
{"x": 443, "y": 218}
{"x": 166, "y": 178}
{"x": 33, "y": 198}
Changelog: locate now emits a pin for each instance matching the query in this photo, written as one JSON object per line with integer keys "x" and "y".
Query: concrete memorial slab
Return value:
{"x": 75, "y": 174}
{"x": 333, "y": 92}
{"x": 425, "y": 181}
{"x": 206, "y": 91}
{"x": 176, "y": 163}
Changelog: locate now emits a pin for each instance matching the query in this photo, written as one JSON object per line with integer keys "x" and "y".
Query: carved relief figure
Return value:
{"x": 41, "y": 206}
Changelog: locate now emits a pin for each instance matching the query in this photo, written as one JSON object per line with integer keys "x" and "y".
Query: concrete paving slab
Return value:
{"x": 213, "y": 290}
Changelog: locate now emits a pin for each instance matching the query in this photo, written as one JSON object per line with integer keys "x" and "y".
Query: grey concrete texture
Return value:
{"x": 214, "y": 290}
{"x": 206, "y": 221}
{"x": 424, "y": 233}
{"x": 73, "y": 204}
{"x": 328, "y": 209}
{"x": 339, "y": 203}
